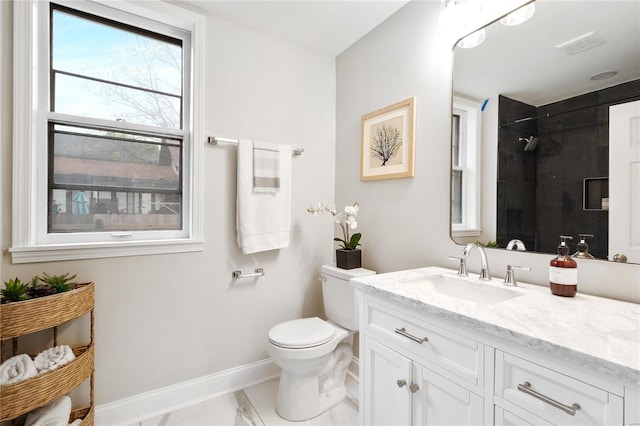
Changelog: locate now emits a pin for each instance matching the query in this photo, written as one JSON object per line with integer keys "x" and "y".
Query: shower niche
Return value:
{"x": 595, "y": 194}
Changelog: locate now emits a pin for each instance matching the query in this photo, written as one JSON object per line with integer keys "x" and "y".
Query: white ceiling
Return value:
{"x": 520, "y": 62}
{"x": 523, "y": 63}
{"x": 325, "y": 26}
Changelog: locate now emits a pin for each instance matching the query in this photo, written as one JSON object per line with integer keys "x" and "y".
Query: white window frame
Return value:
{"x": 470, "y": 149}
{"x": 31, "y": 241}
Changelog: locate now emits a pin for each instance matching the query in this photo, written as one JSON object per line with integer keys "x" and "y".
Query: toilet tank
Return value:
{"x": 340, "y": 305}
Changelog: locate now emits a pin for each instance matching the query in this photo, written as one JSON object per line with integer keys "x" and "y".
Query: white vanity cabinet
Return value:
{"x": 417, "y": 373}
{"x": 419, "y": 368}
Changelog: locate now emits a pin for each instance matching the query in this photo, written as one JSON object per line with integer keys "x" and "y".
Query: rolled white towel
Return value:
{"x": 76, "y": 422}
{"x": 55, "y": 413}
{"x": 53, "y": 358}
{"x": 16, "y": 369}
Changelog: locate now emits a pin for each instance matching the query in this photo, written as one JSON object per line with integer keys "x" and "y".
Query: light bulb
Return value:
{"x": 519, "y": 16}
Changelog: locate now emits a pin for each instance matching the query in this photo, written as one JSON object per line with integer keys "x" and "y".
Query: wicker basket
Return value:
{"x": 87, "y": 414}
{"x": 26, "y": 395}
{"x": 29, "y": 316}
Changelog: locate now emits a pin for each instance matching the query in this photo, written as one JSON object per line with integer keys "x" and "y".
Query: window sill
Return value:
{"x": 58, "y": 252}
{"x": 472, "y": 232}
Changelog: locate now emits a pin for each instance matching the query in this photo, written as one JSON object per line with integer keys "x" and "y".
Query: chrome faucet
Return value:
{"x": 484, "y": 271}
{"x": 510, "y": 278}
{"x": 516, "y": 244}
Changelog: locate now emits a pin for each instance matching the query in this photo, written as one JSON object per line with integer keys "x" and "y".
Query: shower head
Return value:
{"x": 531, "y": 143}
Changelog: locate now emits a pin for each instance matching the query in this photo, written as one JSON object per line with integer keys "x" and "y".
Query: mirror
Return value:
{"x": 537, "y": 95}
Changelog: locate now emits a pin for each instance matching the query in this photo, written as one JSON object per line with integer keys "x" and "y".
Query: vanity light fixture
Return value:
{"x": 519, "y": 15}
{"x": 472, "y": 40}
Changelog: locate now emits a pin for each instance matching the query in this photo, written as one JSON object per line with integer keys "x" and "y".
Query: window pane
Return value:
{"x": 104, "y": 159}
{"x": 456, "y": 196}
{"x": 455, "y": 140}
{"x": 117, "y": 72}
{"x": 107, "y": 181}
{"x": 113, "y": 102}
{"x": 103, "y": 211}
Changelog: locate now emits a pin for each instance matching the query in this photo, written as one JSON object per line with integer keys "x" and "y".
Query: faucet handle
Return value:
{"x": 462, "y": 265}
{"x": 510, "y": 278}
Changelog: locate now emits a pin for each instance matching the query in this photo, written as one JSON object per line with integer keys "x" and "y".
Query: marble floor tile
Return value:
{"x": 226, "y": 410}
{"x": 255, "y": 406}
{"x": 263, "y": 397}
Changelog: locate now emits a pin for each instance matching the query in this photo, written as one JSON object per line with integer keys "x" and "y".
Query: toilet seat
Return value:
{"x": 302, "y": 333}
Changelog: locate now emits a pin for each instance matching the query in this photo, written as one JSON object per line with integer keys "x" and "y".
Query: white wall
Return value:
{"x": 405, "y": 222}
{"x": 165, "y": 319}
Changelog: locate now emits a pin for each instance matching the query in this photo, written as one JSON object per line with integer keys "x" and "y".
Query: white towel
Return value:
{"x": 53, "y": 358}
{"x": 16, "y": 369}
{"x": 55, "y": 413}
{"x": 266, "y": 167}
{"x": 263, "y": 220}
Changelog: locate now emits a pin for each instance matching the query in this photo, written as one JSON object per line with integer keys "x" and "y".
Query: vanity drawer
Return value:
{"x": 553, "y": 396}
{"x": 457, "y": 354}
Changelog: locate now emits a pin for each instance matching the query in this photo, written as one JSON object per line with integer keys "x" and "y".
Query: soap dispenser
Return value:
{"x": 583, "y": 247}
{"x": 563, "y": 271}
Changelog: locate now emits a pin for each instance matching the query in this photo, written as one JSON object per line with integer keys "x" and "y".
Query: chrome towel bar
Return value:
{"x": 215, "y": 140}
{"x": 259, "y": 272}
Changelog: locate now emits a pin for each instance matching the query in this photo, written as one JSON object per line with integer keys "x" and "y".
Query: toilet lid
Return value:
{"x": 301, "y": 333}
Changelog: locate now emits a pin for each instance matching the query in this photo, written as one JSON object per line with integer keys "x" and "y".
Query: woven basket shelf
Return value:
{"x": 26, "y": 395}
{"x": 29, "y": 316}
{"x": 87, "y": 414}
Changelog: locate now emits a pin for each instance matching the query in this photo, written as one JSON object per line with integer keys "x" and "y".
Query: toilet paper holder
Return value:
{"x": 259, "y": 272}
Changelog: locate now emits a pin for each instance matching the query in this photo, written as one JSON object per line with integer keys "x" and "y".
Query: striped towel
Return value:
{"x": 266, "y": 167}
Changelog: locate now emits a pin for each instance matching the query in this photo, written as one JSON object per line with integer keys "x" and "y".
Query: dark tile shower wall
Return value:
{"x": 572, "y": 146}
{"x": 516, "y": 192}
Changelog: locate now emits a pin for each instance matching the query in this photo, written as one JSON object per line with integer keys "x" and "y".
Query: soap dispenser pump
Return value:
{"x": 583, "y": 247}
{"x": 563, "y": 271}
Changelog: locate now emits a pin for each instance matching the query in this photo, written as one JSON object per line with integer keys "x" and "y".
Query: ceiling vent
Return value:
{"x": 580, "y": 44}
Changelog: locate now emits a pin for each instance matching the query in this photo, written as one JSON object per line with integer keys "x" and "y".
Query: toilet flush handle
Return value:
{"x": 322, "y": 278}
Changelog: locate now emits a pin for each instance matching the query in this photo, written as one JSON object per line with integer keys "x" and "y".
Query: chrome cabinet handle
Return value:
{"x": 403, "y": 332}
{"x": 569, "y": 409}
{"x": 414, "y": 388}
{"x": 401, "y": 382}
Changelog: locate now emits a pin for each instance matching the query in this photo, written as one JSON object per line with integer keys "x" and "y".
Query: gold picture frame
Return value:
{"x": 388, "y": 142}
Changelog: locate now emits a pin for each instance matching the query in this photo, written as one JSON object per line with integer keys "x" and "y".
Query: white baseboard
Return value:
{"x": 160, "y": 401}
{"x": 164, "y": 400}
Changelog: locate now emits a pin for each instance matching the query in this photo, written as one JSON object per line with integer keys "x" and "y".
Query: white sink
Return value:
{"x": 469, "y": 289}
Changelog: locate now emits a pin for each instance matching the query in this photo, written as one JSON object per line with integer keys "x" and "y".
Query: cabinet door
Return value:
{"x": 386, "y": 401}
{"x": 439, "y": 401}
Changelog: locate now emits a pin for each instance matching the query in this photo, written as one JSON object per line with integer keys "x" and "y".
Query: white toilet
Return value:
{"x": 314, "y": 354}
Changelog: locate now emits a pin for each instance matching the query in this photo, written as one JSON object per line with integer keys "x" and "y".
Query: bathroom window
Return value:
{"x": 465, "y": 165}
{"x": 110, "y": 164}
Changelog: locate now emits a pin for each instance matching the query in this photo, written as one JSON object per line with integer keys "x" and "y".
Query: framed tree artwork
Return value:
{"x": 388, "y": 142}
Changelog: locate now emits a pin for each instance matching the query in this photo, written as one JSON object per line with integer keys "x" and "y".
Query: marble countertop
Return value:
{"x": 597, "y": 333}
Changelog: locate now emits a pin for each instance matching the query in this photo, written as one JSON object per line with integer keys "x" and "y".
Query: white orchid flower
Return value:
{"x": 346, "y": 219}
{"x": 351, "y": 210}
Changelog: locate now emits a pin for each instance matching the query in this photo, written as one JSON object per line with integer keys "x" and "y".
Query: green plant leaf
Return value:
{"x": 14, "y": 291}
{"x": 343, "y": 243}
{"x": 355, "y": 241}
{"x": 59, "y": 283}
